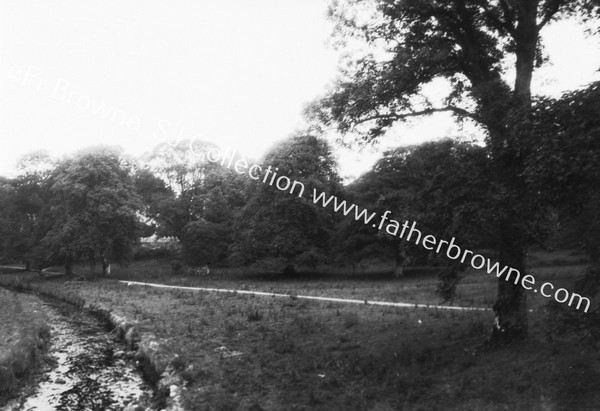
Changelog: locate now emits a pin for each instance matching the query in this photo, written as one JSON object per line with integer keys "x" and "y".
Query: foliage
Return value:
{"x": 205, "y": 242}
{"x": 179, "y": 199}
{"x": 23, "y": 205}
{"x": 468, "y": 44}
{"x": 564, "y": 167}
{"x": 279, "y": 225}
{"x": 410, "y": 43}
{"x": 565, "y": 171}
{"x": 443, "y": 186}
{"x": 187, "y": 194}
{"x": 155, "y": 195}
{"x": 94, "y": 209}
{"x": 562, "y": 320}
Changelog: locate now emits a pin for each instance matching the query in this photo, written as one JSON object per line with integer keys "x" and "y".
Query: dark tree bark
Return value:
{"x": 105, "y": 266}
{"x": 510, "y": 309}
{"x": 400, "y": 258}
{"x": 69, "y": 268}
{"x": 92, "y": 261}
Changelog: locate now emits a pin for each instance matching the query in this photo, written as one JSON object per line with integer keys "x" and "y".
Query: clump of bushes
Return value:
{"x": 562, "y": 319}
{"x": 160, "y": 250}
{"x": 177, "y": 267}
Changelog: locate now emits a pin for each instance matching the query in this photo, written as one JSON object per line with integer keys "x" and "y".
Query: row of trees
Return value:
{"x": 97, "y": 204}
{"x": 539, "y": 162}
{"x": 85, "y": 207}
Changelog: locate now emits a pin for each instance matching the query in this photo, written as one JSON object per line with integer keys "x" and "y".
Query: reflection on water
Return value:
{"x": 87, "y": 374}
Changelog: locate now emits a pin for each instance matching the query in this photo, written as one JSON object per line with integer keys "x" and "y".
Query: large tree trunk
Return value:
{"x": 527, "y": 34}
{"x": 507, "y": 131}
{"x": 510, "y": 309}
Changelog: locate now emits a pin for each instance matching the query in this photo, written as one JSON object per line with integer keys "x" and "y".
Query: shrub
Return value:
{"x": 177, "y": 267}
{"x": 204, "y": 243}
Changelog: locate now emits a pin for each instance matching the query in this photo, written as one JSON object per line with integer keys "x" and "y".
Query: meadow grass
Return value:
{"x": 23, "y": 333}
{"x": 239, "y": 351}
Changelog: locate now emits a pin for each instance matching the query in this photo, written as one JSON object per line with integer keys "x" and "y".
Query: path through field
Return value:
{"x": 308, "y": 297}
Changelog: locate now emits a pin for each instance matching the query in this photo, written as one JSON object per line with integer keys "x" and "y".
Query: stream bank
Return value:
{"x": 86, "y": 368}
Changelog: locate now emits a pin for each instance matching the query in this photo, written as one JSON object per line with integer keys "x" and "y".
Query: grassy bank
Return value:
{"x": 23, "y": 333}
{"x": 249, "y": 352}
{"x": 477, "y": 289}
{"x": 244, "y": 352}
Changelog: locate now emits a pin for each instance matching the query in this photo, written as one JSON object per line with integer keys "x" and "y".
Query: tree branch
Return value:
{"x": 425, "y": 112}
{"x": 509, "y": 14}
{"x": 551, "y": 7}
{"x": 507, "y": 24}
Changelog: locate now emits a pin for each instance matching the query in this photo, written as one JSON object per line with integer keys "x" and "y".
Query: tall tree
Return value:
{"x": 442, "y": 185}
{"x": 23, "y": 209}
{"x": 94, "y": 210}
{"x": 192, "y": 198}
{"x": 193, "y": 188}
{"x": 182, "y": 167}
{"x": 284, "y": 228}
{"x": 156, "y": 197}
{"x": 471, "y": 43}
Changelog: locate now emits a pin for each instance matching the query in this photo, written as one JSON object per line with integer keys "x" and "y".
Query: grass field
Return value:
{"x": 249, "y": 352}
{"x": 23, "y": 332}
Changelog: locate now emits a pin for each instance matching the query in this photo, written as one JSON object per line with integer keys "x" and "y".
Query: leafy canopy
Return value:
{"x": 409, "y": 43}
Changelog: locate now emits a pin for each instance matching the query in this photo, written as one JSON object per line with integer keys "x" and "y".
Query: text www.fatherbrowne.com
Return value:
{"x": 406, "y": 231}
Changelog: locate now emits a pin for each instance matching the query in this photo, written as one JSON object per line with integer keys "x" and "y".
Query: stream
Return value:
{"x": 86, "y": 369}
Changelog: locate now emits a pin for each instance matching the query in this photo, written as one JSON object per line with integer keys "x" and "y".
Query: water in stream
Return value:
{"x": 84, "y": 373}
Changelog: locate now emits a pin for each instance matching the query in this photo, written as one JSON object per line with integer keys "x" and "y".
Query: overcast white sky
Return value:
{"x": 75, "y": 73}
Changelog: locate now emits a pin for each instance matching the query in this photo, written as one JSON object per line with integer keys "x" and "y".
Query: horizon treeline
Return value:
{"x": 96, "y": 205}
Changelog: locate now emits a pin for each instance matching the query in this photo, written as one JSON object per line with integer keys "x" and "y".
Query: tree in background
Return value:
{"x": 183, "y": 172}
{"x": 205, "y": 242}
{"x": 565, "y": 165}
{"x": 208, "y": 240}
{"x": 388, "y": 186}
{"x": 452, "y": 198}
{"x": 23, "y": 205}
{"x": 12, "y": 242}
{"x": 280, "y": 228}
{"x": 154, "y": 193}
{"x": 192, "y": 199}
{"x": 566, "y": 171}
{"x": 442, "y": 185}
{"x": 93, "y": 210}
{"x": 470, "y": 44}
